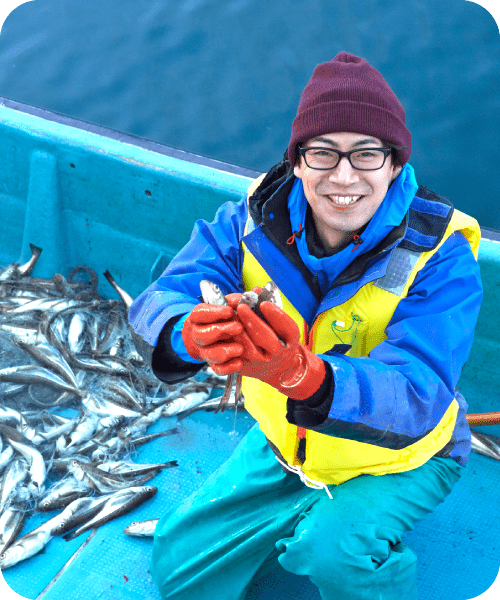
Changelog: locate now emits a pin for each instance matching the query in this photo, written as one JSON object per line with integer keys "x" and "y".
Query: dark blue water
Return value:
{"x": 223, "y": 78}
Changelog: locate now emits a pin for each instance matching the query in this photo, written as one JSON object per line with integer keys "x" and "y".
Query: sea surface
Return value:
{"x": 222, "y": 78}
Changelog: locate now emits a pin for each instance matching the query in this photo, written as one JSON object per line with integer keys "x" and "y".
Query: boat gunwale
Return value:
{"x": 127, "y": 138}
{"x": 487, "y": 233}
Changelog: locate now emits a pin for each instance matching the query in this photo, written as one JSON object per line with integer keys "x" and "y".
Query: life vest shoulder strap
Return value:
{"x": 428, "y": 218}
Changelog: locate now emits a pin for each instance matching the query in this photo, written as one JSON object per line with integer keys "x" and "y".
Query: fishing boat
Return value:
{"x": 111, "y": 201}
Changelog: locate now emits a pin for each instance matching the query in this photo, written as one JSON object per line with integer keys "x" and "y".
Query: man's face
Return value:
{"x": 336, "y": 222}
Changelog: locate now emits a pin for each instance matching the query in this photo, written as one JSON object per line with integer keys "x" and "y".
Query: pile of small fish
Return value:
{"x": 77, "y": 395}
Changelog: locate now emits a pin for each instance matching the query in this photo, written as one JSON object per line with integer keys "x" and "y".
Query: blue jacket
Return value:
{"x": 428, "y": 338}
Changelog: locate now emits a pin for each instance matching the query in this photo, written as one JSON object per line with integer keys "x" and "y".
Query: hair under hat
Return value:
{"x": 347, "y": 94}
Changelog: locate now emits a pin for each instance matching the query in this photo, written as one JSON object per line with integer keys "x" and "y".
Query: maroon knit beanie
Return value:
{"x": 348, "y": 95}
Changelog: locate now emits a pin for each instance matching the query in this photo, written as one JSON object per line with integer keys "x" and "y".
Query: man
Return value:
{"x": 360, "y": 432}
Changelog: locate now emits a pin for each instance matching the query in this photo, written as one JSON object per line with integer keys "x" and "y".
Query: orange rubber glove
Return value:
{"x": 208, "y": 334}
{"x": 286, "y": 365}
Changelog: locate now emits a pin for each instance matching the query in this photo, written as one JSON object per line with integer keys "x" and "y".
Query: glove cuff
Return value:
{"x": 187, "y": 337}
{"x": 304, "y": 376}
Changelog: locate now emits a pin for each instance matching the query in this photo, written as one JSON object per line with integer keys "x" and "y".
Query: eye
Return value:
{"x": 321, "y": 152}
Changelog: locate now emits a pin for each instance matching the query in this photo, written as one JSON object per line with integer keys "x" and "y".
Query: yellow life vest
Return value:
{"x": 364, "y": 317}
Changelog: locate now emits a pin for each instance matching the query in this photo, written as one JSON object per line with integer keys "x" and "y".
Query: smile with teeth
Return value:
{"x": 344, "y": 199}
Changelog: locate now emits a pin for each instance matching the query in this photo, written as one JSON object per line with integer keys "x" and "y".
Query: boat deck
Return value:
{"x": 63, "y": 175}
{"x": 458, "y": 546}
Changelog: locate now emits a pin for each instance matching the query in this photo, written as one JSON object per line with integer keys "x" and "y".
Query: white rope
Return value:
{"x": 310, "y": 483}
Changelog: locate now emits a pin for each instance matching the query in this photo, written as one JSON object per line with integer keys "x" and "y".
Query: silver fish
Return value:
{"x": 33, "y": 457}
{"x": 15, "y": 270}
{"x": 186, "y": 402}
{"x": 100, "y": 453}
{"x": 114, "y": 327}
{"x": 140, "y": 425}
{"x": 8, "y": 414}
{"x": 212, "y": 294}
{"x": 142, "y": 528}
{"x": 125, "y": 297}
{"x": 58, "y": 430}
{"x": 269, "y": 293}
{"x": 47, "y": 305}
{"x": 63, "y": 493}
{"x": 79, "y": 511}
{"x": 11, "y": 522}
{"x": 62, "y": 286}
{"x": 118, "y": 504}
{"x": 5, "y": 457}
{"x": 7, "y": 390}
{"x": 172, "y": 392}
{"x": 213, "y": 405}
{"x": 28, "y": 335}
{"x": 35, "y": 374}
{"x": 107, "y": 407}
{"x": 34, "y": 541}
{"x": 58, "y": 329}
{"x": 127, "y": 395}
{"x": 14, "y": 475}
{"x": 144, "y": 349}
{"x": 84, "y": 429}
{"x": 249, "y": 298}
{"x": 102, "y": 481}
{"x": 76, "y": 333}
{"x": 26, "y": 269}
{"x": 30, "y": 433}
{"x": 27, "y": 546}
{"x": 487, "y": 445}
{"x": 130, "y": 469}
{"x": 50, "y": 357}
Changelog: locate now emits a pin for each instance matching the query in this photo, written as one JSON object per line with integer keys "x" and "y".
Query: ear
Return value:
{"x": 396, "y": 171}
{"x": 298, "y": 168}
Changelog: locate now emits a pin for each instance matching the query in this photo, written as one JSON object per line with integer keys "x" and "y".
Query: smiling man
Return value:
{"x": 360, "y": 432}
{"x": 344, "y": 194}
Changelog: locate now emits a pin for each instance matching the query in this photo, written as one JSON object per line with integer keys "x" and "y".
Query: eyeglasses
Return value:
{"x": 367, "y": 159}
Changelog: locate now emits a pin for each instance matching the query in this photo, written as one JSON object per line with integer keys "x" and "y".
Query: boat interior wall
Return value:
{"x": 89, "y": 199}
{"x": 120, "y": 203}
{"x": 480, "y": 380}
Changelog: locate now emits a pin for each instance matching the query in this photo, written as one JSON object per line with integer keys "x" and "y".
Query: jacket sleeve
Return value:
{"x": 213, "y": 252}
{"x": 404, "y": 387}
{"x": 166, "y": 363}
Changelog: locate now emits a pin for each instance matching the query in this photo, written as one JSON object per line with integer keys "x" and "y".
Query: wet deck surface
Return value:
{"x": 458, "y": 546}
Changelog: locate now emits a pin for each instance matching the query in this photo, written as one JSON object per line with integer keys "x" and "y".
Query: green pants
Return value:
{"x": 249, "y": 513}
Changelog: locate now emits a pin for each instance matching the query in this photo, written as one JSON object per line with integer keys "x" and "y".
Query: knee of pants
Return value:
{"x": 343, "y": 551}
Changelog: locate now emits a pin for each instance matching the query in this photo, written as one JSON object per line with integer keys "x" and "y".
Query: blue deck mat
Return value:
{"x": 458, "y": 546}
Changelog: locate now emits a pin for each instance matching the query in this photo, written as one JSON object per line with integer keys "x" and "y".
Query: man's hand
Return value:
{"x": 208, "y": 334}
{"x": 272, "y": 353}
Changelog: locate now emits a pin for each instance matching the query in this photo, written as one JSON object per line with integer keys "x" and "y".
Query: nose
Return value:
{"x": 344, "y": 173}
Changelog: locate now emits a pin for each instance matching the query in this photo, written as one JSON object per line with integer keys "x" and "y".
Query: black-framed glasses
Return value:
{"x": 366, "y": 159}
